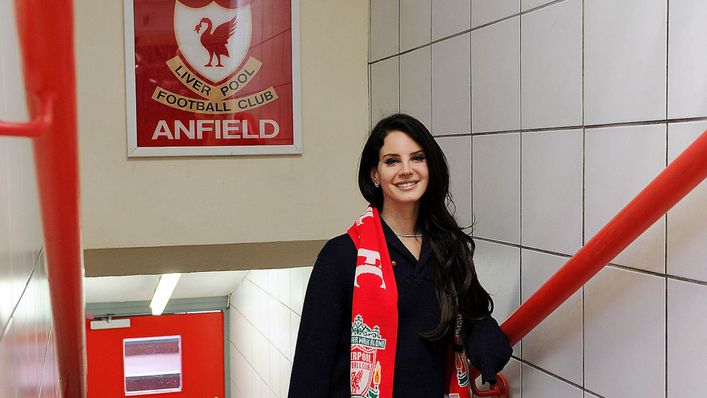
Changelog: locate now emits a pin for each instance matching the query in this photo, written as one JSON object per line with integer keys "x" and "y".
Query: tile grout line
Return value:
{"x": 266, "y": 382}
{"x": 665, "y": 220}
{"x": 397, "y": 55}
{"x": 520, "y": 168}
{"x": 10, "y": 318}
{"x": 287, "y": 358}
{"x": 465, "y": 31}
{"x": 584, "y": 202}
{"x": 554, "y": 375}
{"x": 612, "y": 265}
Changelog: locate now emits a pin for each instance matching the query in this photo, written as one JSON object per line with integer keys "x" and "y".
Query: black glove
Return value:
{"x": 487, "y": 348}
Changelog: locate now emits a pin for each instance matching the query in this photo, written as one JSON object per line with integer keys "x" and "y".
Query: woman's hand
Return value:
{"x": 487, "y": 348}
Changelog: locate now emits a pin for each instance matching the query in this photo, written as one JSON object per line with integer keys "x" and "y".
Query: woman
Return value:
{"x": 384, "y": 300}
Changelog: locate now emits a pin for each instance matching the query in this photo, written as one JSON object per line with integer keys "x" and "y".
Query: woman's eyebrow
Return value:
{"x": 421, "y": 151}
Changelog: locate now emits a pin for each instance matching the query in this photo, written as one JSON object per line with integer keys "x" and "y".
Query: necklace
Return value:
{"x": 408, "y": 235}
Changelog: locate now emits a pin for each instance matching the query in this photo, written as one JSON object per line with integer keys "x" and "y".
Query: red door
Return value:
{"x": 201, "y": 349}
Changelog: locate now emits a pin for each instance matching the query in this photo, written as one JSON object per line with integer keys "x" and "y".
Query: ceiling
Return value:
{"x": 108, "y": 289}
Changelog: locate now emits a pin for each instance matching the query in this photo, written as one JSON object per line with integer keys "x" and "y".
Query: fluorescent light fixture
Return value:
{"x": 163, "y": 292}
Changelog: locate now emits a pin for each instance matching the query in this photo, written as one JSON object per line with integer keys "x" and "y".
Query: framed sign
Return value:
{"x": 212, "y": 77}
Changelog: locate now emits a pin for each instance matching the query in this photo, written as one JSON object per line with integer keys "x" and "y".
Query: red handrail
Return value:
{"x": 46, "y": 40}
{"x": 682, "y": 175}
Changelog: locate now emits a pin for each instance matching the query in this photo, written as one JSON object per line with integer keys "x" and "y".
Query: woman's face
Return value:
{"x": 401, "y": 171}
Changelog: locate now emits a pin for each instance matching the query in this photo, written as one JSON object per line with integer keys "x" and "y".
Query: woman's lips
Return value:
{"x": 407, "y": 185}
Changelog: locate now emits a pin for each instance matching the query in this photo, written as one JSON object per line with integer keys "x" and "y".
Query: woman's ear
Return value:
{"x": 374, "y": 176}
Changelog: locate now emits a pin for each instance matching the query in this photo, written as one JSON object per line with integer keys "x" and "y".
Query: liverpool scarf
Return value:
{"x": 374, "y": 319}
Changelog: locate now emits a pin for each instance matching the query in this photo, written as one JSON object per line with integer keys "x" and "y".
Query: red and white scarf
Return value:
{"x": 374, "y": 319}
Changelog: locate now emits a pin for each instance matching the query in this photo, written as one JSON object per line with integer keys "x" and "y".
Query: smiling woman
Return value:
{"x": 394, "y": 306}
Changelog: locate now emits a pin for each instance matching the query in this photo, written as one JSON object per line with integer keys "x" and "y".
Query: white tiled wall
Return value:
{"x": 264, "y": 319}
{"x": 572, "y": 107}
{"x": 27, "y": 355}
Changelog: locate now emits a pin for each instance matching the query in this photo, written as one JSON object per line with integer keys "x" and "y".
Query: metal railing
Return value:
{"x": 47, "y": 50}
{"x": 680, "y": 177}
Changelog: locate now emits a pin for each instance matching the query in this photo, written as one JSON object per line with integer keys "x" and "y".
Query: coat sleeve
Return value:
{"x": 324, "y": 315}
{"x": 487, "y": 347}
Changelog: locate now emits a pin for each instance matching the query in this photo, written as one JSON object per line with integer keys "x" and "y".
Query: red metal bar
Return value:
{"x": 46, "y": 39}
{"x": 677, "y": 180}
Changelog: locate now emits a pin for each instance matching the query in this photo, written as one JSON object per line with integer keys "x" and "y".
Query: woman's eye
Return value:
{"x": 418, "y": 158}
{"x": 390, "y": 161}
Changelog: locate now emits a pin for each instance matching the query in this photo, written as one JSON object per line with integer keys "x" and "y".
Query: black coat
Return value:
{"x": 322, "y": 358}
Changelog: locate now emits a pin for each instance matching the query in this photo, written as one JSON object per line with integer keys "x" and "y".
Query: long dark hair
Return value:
{"x": 457, "y": 286}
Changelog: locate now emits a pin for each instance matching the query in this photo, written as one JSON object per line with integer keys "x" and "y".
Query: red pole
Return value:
{"x": 46, "y": 36}
{"x": 676, "y": 181}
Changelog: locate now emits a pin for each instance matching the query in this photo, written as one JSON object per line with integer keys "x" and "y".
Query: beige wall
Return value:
{"x": 215, "y": 200}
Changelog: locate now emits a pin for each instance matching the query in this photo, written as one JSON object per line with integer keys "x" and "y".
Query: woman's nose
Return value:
{"x": 406, "y": 167}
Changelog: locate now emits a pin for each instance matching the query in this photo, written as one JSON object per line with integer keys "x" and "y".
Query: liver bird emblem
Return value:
{"x": 215, "y": 41}
{"x": 356, "y": 380}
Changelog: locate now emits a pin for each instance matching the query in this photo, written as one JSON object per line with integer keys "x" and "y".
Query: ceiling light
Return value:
{"x": 163, "y": 292}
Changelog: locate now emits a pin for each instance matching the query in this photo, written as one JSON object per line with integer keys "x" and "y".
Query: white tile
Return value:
{"x": 496, "y": 186}
{"x": 623, "y": 85}
{"x": 233, "y": 321}
{"x": 555, "y": 344}
{"x": 276, "y": 359}
{"x": 485, "y": 11}
{"x": 457, "y": 150}
{"x": 280, "y": 285}
{"x": 416, "y": 85}
{"x": 450, "y": 86}
{"x": 257, "y": 310}
{"x": 285, "y": 370}
{"x": 450, "y": 17}
{"x": 498, "y": 268}
{"x": 384, "y": 29}
{"x": 624, "y": 334}
{"x": 552, "y": 190}
{"x": 238, "y": 297}
{"x": 687, "y": 220}
{"x": 7, "y": 296}
{"x": 294, "y": 331}
{"x": 512, "y": 374}
{"x": 687, "y": 338}
{"x": 279, "y": 327}
{"x": 260, "y": 278}
{"x": 619, "y": 163}
{"x": 495, "y": 77}
{"x": 298, "y": 287}
{"x": 551, "y": 59}
{"x": 687, "y": 60}
{"x": 12, "y": 92}
{"x": 537, "y": 384}
{"x": 240, "y": 370}
{"x": 261, "y": 355}
{"x": 415, "y": 23}
{"x": 384, "y": 89}
{"x": 8, "y": 378}
{"x": 528, "y": 4}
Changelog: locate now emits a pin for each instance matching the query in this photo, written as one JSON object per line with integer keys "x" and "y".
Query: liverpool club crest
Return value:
{"x": 212, "y": 77}
{"x": 365, "y": 370}
{"x": 213, "y": 43}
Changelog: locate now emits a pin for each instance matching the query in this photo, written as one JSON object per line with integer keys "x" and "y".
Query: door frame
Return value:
{"x": 109, "y": 310}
